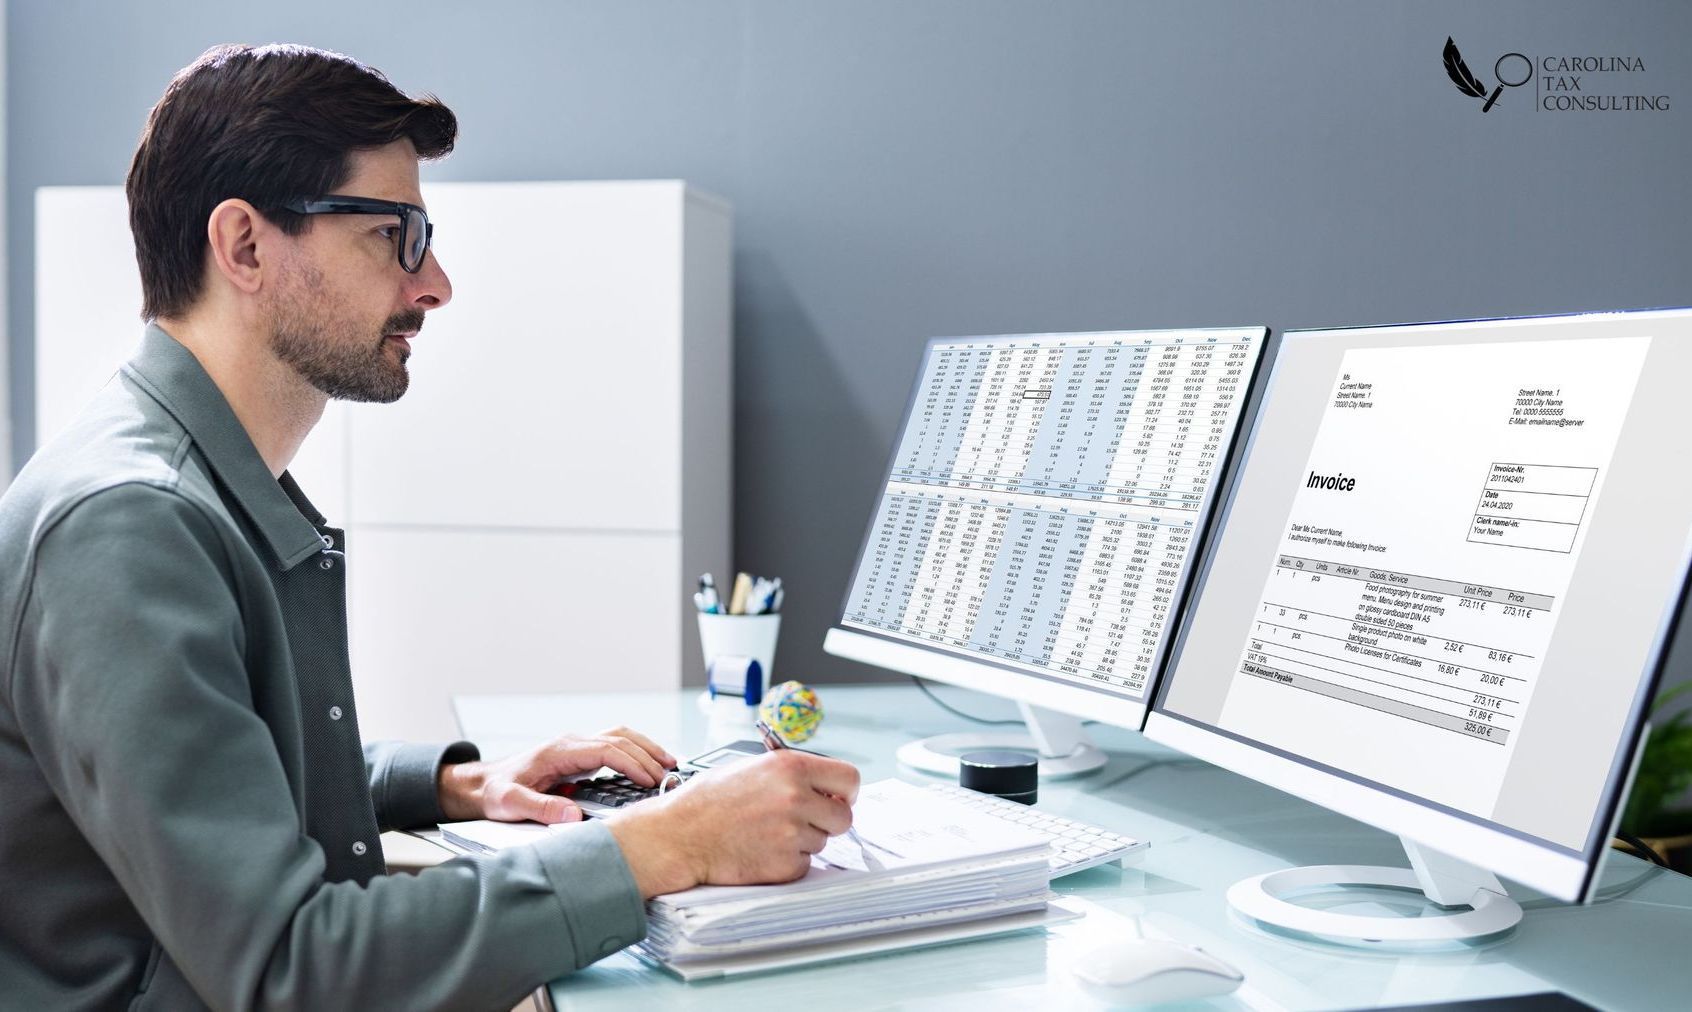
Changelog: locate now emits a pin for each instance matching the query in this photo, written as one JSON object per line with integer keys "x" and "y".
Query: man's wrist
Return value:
{"x": 459, "y": 790}
{"x": 659, "y": 862}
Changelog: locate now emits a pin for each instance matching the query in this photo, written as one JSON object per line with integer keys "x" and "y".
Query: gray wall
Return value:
{"x": 901, "y": 170}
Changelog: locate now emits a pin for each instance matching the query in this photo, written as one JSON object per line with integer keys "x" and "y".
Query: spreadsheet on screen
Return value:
{"x": 1045, "y": 494}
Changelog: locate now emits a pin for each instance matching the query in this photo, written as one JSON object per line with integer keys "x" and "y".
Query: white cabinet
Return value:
{"x": 530, "y": 516}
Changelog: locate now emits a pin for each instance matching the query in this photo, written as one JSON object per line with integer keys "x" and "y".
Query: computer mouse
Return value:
{"x": 1147, "y": 971}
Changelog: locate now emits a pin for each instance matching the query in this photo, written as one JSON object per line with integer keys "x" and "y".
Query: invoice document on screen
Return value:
{"x": 1403, "y": 626}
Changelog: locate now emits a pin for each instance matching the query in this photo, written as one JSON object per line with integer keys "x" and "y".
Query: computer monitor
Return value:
{"x": 1037, "y": 525}
{"x": 1439, "y": 597}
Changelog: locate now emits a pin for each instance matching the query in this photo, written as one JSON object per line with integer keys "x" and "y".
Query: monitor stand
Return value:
{"x": 1058, "y": 738}
{"x": 1448, "y": 883}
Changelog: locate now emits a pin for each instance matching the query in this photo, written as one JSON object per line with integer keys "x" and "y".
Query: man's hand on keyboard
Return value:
{"x": 514, "y": 789}
{"x": 757, "y": 820}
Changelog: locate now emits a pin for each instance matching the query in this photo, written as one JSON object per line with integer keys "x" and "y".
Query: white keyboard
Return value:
{"x": 1076, "y": 846}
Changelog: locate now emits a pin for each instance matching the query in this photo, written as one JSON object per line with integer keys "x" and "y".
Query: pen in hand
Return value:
{"x": 773, "y": 742}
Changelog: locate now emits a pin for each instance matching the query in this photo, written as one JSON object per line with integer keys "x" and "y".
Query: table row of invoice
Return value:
{"x": 1068, "y": 589}
{"x": 1112, "y": 419}
{"x": 1393, "y": 642}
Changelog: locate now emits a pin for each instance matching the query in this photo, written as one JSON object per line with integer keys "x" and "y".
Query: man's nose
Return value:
{"x": 430, "y": 287}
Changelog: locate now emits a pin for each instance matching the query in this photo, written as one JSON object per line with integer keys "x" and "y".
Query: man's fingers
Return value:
{"x": 568, "y": 756}
{"x": 836, "y": 816}
{"x": 550, "y": 808}
{"x": 821, "y": 813}
{"x": 831, "y": 776}
{"x": 647, "y": 761}
{"x": 632, "y": 761}
{"x": 664, "y": 758}
{"x": 812, "y": 840}
{"x": 516, "y": 803}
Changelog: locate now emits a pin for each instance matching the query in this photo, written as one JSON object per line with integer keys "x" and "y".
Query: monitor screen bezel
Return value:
{"x": 1559, "y": 871}
{"x": 1007, "y": 680}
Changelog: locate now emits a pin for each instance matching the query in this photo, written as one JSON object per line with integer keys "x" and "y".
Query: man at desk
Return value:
{"x": 190, "y": 818}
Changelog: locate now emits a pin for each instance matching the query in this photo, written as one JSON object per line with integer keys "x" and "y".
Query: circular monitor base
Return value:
{"x": 1264, "y": 898}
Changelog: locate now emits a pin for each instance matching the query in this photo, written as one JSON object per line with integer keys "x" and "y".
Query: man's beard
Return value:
{"x": 334, "y": 356}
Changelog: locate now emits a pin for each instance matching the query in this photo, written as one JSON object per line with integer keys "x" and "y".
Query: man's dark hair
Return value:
{"x": 266, "y": 124}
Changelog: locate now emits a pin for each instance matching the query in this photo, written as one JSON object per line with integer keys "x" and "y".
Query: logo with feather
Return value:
{"x": 1470, "y": 85}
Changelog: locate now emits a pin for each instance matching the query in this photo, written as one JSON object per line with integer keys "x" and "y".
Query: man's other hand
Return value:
{"x": 757, "y": 820}
{"x": 514, "y": 789}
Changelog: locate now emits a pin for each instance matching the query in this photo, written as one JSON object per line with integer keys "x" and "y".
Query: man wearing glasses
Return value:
{"x": 190, "y": 816}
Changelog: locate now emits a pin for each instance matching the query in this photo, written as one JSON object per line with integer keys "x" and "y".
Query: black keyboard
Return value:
{"x": 602, "y": 794}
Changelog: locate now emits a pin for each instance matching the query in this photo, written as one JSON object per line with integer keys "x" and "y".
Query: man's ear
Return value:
{"x": 234, "y": 230}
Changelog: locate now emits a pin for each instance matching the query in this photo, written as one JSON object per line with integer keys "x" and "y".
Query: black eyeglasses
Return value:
{"x": 415, "y": 230}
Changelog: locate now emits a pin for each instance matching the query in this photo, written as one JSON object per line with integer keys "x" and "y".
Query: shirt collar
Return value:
{"x": 172, "y": 375}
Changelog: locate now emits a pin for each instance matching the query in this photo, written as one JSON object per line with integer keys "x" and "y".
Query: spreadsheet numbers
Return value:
{"x": 1045, "y": 496}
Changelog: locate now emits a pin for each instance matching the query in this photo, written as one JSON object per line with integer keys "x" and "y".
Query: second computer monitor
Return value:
{"x": 1443, "y": 581}
{"x": 1044, "y": 498}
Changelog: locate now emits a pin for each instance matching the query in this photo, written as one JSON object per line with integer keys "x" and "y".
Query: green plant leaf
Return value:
{"x": 1667, "y": 696}
{"x": 1665, "y": 767}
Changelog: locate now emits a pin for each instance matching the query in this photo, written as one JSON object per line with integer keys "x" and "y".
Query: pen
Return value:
{"x": 773, "y": 742}
{"x": 772, "y": 596}
{"x": 706, "y": 600}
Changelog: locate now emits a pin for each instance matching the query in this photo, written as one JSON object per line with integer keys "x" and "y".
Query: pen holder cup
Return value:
{"x": 751, "y": 636}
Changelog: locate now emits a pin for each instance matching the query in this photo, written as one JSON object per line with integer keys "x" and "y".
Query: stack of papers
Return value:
{"x": 924, "y": 862}
{"x": 922, "y": 869}
{"x": 484, "y": 836}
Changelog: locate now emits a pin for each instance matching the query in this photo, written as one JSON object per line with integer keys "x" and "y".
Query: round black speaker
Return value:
{"x": 1006, "y": 774}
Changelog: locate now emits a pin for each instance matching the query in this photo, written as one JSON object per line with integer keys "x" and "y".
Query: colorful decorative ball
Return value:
{"x": 792, "y": 708}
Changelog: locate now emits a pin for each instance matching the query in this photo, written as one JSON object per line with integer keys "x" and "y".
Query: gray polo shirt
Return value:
{"x": 187, "y": 815}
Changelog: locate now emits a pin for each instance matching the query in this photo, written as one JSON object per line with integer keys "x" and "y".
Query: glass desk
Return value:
{"x": 1208, "y": 828}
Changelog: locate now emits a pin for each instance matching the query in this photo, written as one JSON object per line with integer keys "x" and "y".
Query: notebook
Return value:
{"x": 936, "y": 871}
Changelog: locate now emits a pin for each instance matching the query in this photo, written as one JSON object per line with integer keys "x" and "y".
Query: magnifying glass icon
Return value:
{"x": 1526, "y": 66}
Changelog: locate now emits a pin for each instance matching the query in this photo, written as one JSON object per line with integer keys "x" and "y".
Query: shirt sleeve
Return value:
{"x": 131, "y": 688}
{"x": 405, "y": 777}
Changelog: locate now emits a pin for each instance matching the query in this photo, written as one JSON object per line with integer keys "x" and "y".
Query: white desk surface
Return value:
{"x": 1208, "y": 828}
